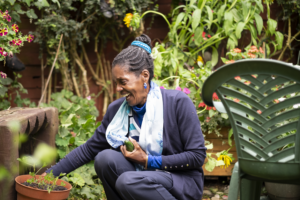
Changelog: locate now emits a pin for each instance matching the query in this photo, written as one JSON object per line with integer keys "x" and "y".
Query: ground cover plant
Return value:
{"x": 77, "y": 117}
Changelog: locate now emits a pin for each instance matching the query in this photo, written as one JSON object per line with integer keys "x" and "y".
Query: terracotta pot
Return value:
{"x": 29, "y": 193}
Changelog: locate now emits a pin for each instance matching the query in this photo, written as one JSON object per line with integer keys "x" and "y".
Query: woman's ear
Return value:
{"x": 145, "y": 75}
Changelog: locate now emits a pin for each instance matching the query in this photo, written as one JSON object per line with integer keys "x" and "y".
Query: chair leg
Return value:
{"x": 234, "y": 183}
{"x": 250, "y": 190}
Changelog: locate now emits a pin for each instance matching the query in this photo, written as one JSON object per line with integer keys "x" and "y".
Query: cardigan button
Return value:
{"x": 165, "y": 167}
{"x": 187, "y": 165}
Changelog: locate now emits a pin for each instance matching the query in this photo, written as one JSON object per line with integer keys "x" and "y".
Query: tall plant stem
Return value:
{"x": 43, "y": 93}
{"x": 288, "y": 44}
{"x": 158, "y": 13}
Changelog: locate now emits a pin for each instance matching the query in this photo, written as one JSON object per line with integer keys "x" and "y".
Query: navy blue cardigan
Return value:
{"x": 183, "y": 145}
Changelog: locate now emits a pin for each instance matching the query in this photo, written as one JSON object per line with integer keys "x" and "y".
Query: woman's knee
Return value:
{"x": 104, "y": 159}
{"x": 122, "y": 183}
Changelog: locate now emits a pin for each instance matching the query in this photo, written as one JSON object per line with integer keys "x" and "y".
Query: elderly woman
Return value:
{"x": 163, "y": 126}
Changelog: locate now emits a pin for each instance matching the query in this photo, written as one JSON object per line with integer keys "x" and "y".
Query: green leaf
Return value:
{"x": 61, "y": 141}
{"x": 210, "y": 16}
{"x": 253, "y": 31}
{"x": 67, "y": 122}
{"x": 61, "y": 153}
{"x": 63, "y": 131}
{"x": 239, "y": 29}
{"x": 221, "y": 13}
{"x": 228, "y": 16}
{"x": 224, "y": 115}
{"x": 178, "y": 20}
{"x": 77, "y": 179}
{"x": 230, "y": 44}
{"x": 196, "y": 18}
{"x": 5, "y": 81}
{"x": 87, "y": 192}
{"x": 28, "y": 2}
{"x": 211, "y": 112}
{"x": 245, "y": 10}
{"x": 210, "y": 146}
{"x": 42, "y": 3}
{"x": 272, "y": 24}
{"x": 31, "y": 14}
{"x": 211, "y": 164}
{"x": 16, "y": 16}
{"x": 215, "y": 56}
{"x": 259, "y": 23}
{"x": 198, "y": 35}
{"x": 279, "y": 39}
{"x": 11, "y": 2}
{"x": 229, "y": 137}
{"x": 268, "y": 49}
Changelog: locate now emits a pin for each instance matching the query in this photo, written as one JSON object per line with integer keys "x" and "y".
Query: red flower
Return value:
{"x": 251, "y": 55}
{"x": 202, "y": 104}
{"x": 236, "y": 100}
{"x": 209, "y": 36}
{"x": 30, "y": 38}
{"x": 203, "y": 34}
{"x": 229, "y": 61}
{"x": 208, "y": 108}
{"x": 261, "y": 50}
{"x": 237, "y": 50}
{"x": 259, "y": 111}
{"x": 214, "y": 108}
{"x": 253, "y": 76}
{"x": 237, "y": 78}
{"x": 247, "y": 82}
{"x": 15, "y": 27}
{"x": 207, "y": 119}
{"x": 19, "y": 42}
{"x": 215, "y": 96}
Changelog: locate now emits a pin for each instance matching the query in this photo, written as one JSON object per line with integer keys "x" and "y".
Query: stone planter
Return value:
{"x": 29, "y": 193}
{"x": 280, "y": 191}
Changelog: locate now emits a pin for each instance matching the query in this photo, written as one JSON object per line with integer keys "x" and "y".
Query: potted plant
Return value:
{"x": 37, "y": 187}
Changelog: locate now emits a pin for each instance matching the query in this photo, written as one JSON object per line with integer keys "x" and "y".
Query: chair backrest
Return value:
{"x": 262, "y": 99}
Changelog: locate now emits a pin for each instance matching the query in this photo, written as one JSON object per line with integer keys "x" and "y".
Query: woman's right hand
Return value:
{"x": 44, "y": 174}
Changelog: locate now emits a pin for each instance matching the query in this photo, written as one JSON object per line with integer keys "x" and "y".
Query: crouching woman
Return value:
{"x": 163, "y": 125}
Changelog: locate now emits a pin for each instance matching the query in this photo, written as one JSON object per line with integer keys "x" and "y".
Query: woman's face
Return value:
{"x": 131, "y": 86}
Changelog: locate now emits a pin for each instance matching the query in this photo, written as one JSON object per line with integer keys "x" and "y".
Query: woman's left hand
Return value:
{"x": 137, "y": 155}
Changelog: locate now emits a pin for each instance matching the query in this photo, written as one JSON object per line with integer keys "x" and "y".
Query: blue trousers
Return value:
{"x": 122, "y": 182}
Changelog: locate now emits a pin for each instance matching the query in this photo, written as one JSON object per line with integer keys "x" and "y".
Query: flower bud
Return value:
{"x": 10, "y": 54}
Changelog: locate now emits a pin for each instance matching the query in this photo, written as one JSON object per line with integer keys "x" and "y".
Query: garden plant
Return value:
{"x": 11, "y": 40}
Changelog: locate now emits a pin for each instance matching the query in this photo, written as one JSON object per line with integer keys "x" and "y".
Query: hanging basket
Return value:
{"x": 29, "y": 193}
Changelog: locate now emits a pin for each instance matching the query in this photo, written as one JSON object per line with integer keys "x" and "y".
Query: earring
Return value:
{"x": 145, "y": 85}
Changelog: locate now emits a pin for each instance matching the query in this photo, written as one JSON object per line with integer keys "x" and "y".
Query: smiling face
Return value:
{"x": 131, "y": 85}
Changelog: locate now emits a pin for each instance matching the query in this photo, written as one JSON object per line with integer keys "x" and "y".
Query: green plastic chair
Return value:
{"x": 247, "y": 90}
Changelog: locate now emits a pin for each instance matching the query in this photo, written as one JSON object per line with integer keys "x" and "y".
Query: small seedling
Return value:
{"x": 49, "y": 181}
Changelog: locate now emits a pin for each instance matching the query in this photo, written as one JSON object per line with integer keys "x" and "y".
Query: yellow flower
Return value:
{"x": 127, "y": 19}
{"x": 200, "y": 59}
{"x": 227, "y": 160}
